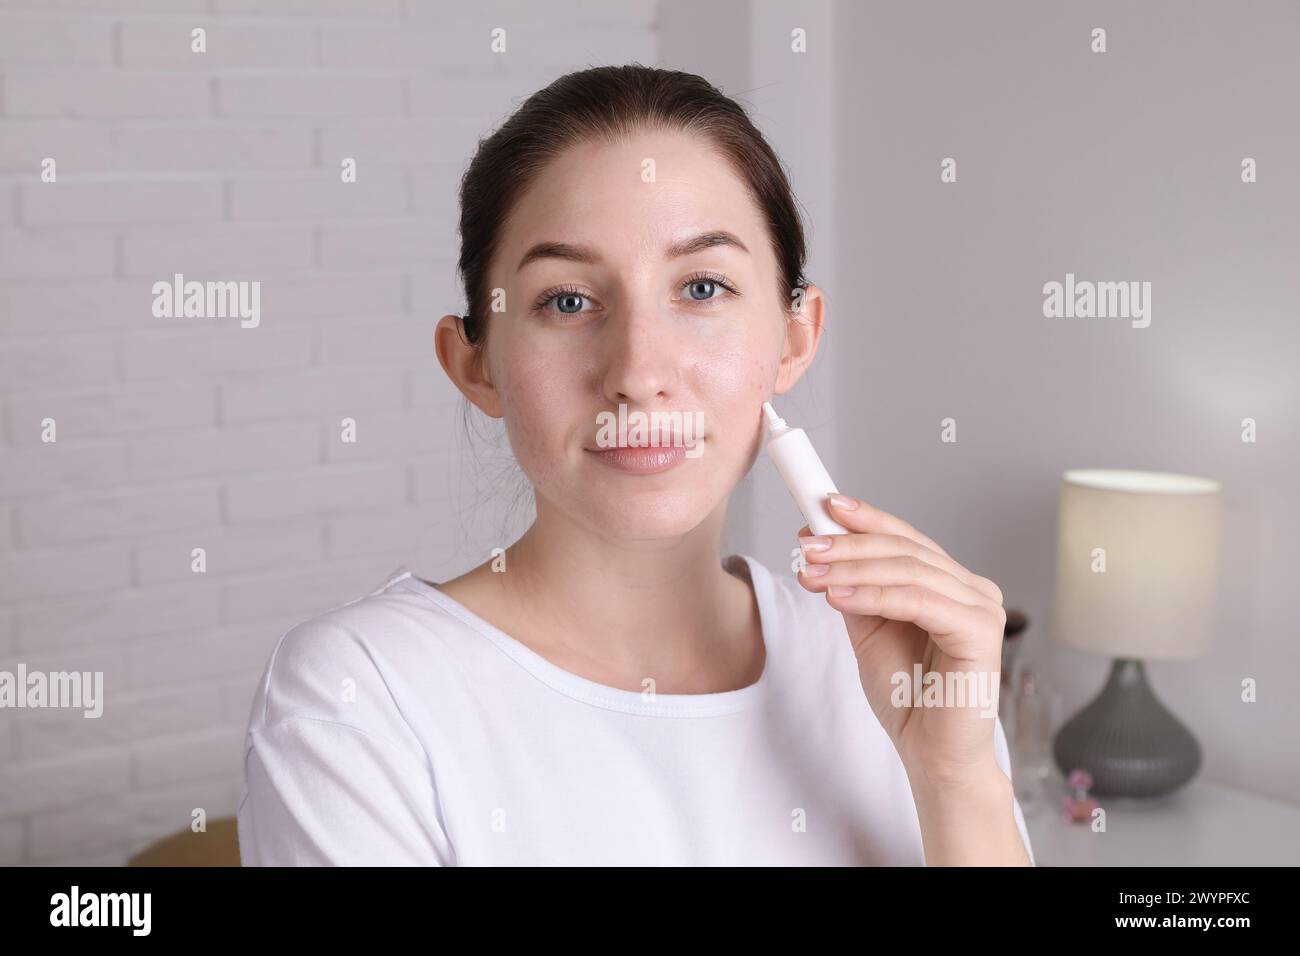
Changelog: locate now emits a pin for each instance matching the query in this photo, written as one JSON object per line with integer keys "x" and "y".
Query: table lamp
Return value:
{"x": 1137, "y": 558}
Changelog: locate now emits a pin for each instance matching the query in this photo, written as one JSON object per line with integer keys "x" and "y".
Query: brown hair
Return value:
{"x": 603, "y": 102}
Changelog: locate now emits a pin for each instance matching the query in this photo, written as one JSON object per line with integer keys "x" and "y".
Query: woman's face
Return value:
{"x": 607, "y": 303}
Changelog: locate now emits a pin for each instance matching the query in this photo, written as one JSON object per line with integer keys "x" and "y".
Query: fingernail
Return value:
{"x": 840, "y": 591}
{"x": 843, "y": 501}
{"x": 815, "y": 570}
{"x": 819, "y": 543}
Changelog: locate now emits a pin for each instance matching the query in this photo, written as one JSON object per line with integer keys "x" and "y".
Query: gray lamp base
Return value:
{"x": 1130, "y": 743}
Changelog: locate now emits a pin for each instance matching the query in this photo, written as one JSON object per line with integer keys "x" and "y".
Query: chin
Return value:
{"x": 649, "y": 514}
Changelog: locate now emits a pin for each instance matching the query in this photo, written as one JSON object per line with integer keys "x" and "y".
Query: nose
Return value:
{"x": 641, "y": 358}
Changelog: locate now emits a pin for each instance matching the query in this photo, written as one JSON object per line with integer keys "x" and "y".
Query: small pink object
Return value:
{"x": 1077, "y": 807}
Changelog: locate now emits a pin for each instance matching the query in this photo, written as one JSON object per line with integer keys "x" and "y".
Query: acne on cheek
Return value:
{"x": 733, "y": 389}
{"x": 537, "y": 391}
{"x": 733, "y": 370}
{"x": 746, "y": 378}
{"x": 529, "y": 442}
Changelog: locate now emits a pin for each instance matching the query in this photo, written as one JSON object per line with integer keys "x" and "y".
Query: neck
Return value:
{"x": 629, "y": 610}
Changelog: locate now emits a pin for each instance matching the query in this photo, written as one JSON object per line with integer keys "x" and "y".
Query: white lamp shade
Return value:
{"x": 1156, "y": 535}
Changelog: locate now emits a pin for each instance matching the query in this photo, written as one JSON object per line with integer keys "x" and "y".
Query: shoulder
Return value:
{"x": 352, "y": 664}
{"x": 806, "y": 639}
{"x": 793, "y": 603}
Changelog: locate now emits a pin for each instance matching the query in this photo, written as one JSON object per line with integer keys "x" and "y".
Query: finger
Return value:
{"x": 864, "y": 517}
{"x": 953, "y": 626}
{"x": 890, "y": 571}
{"x": 848, "y": 546}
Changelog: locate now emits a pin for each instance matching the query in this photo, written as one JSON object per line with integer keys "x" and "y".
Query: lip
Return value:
{"x": 641, "y": 460}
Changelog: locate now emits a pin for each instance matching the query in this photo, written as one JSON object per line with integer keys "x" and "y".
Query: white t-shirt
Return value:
{"x": 403, "y": 729}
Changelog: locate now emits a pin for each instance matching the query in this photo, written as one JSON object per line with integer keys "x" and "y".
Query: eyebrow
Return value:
{"x": 576, "y": 253}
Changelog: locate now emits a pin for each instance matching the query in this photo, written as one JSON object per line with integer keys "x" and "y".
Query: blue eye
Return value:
{"x": 569, "y": 303}
{"x": 703, "y": 286}
{"x": 566, "y": 300}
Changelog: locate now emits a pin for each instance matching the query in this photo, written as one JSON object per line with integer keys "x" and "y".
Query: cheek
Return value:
{"x": 537, "y": 394}
{"x": 734, "y": 384}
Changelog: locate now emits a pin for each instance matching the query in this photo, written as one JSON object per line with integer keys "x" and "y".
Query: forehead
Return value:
{"x": 633, "y": 196}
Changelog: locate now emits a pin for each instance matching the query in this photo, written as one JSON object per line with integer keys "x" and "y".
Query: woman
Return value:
{"x": 607, "y": 690}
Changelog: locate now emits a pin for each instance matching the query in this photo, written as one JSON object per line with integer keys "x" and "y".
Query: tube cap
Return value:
{"x": 775, "y": 423}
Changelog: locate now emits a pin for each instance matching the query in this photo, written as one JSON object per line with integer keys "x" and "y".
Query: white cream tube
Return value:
{"x": 802, "y": 471}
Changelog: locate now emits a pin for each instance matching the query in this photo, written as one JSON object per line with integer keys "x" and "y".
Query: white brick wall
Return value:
{"x": 183, "y": 433}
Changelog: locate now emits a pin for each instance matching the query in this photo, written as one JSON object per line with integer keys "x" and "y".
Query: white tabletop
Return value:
{"x": 1200, "y": 824}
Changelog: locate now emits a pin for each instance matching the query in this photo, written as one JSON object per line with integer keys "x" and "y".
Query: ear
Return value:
{"x": 803, "y": 330}
{"x": 466, "y": 365}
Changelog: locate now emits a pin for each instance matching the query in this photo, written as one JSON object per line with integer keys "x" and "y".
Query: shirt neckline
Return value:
{"x": 602, "y": 695}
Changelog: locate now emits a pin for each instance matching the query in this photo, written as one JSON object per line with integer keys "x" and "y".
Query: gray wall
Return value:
{"x": 1115, "y": 166}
